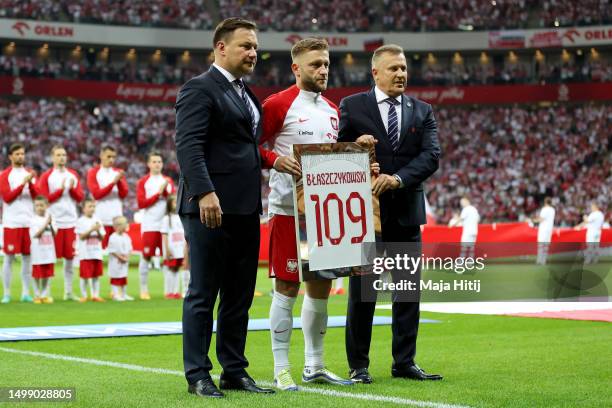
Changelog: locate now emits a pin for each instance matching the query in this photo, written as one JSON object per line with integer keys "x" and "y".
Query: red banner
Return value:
{"x": 437, "y": 95}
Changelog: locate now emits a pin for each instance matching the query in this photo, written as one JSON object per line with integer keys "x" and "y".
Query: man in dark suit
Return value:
{"x": 219, "y": 201}
{"x": 404, "y": 132}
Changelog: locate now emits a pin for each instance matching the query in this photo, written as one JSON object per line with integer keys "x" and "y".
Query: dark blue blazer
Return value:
{"x": 415, "y": 160}
{"x": 215, "y": 146}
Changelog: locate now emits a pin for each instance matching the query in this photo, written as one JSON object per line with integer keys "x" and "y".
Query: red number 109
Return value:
{"x": 354, "y": 218}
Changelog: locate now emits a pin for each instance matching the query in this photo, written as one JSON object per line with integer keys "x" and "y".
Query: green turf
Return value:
{"x": 486, "y": 360}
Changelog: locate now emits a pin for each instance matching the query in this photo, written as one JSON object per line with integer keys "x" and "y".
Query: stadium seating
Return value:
{"x": 342, "y": 15}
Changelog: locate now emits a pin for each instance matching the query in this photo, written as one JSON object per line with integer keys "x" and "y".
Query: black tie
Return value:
{"x": 245, "y": 99}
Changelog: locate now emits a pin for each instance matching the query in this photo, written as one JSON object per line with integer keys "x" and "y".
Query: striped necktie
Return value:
{"x": 245, "y": 99}
{"x": 392, "y": 127}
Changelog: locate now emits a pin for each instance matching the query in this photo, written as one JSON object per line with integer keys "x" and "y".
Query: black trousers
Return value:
{"x": 224, "y": 263}
{"x": 405, "y": 315}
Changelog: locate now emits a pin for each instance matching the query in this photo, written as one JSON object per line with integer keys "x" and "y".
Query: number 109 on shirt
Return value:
{"x": 337, "y": 206}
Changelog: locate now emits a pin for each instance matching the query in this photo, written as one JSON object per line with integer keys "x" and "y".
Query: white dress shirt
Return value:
{"x": 383, "y": 108}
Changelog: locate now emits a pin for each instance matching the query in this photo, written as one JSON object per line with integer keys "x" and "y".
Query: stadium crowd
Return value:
{"x": 342, "y": 15}
{"x": 274, "y": 73}
{"x": 507, "y": 159}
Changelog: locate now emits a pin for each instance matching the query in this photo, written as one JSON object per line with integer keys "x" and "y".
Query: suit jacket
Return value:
{"x": 215, "y": 147}
{"x": 415, "y": 159}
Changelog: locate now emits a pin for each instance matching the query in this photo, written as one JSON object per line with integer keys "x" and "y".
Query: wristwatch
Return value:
{"x": 399, "y": 179}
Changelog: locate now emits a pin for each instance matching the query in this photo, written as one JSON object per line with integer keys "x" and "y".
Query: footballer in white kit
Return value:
{"x": 62, "y": 187}
{"x": 546, "y": 220}
{"x": 152, "y": 191}
{"x": 17, "y": 189}
{"x": 91, "y": 233}
{"x": 299, "y": 114}
{"x": 108, "y": 186}
{"x": 43, "y": 250}
{"x": 119, "y": 250}
{"x": 469, "y": 219}
{"x": 594, "y": 223}
{"x": 173, "y": 237}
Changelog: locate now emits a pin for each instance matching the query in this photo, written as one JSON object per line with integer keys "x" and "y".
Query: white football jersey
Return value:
{"x": 89, "y": 248}
{"x": 171, "y": 225}
{"x": 595, "y": 222}
{"x": 547, "y": 223}
{"x": 43, "y": 248}
{"x": 122, "y": 245}
{"x": 294, "y": 116}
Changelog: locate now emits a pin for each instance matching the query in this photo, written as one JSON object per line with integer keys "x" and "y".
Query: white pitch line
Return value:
{"x": 330, "y": 393}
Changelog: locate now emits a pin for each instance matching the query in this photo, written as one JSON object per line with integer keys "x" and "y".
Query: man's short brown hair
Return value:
{"x": 227, "y": 27}
{"x": 389, "y": 48}
{"x": 154, "y": 153}
{"x": 107, "y": 147}
{"x": 15, "y": 146}
{"x": 308, "y": 44}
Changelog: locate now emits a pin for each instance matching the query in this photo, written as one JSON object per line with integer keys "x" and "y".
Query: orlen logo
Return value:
{"x": 570, "y": 34}
{"x": 21, "y": 27}
{"x": 43, "y": 29}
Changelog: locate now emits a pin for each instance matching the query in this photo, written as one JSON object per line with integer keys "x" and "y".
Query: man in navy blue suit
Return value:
{"x": 219, "y": 200}
{"x": 404, "y": 132}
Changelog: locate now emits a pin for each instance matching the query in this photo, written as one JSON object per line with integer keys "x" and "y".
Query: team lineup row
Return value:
{"x": 41, "y": 223}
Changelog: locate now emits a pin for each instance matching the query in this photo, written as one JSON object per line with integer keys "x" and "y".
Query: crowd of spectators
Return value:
{"x": 191, "y": 14}
{"x": 303, "y": 15}
{"x": 506, "y": 159}
{"x": 275, "y": 72}
{"x": 570, "y": 13}
{"x": 322, "y": 15}
{"x": 449, "y": 15}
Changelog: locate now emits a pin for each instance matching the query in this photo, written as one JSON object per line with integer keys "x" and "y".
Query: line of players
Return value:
{"x": 593, "y": 222}
{"x": 41, "y": 223}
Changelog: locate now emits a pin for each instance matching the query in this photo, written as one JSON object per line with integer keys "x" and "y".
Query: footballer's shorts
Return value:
{"x": 42, "y": 271}
{"x": 174, "y": 264}
{"x": 90, "y": 268}
{"x": 151, "y": 240}
{"x": 108, "y": 230}
{"x": 283, "y": 263}
{"x": 65, "y": 238}
{"x": 118, "y": 281}
{"x": 16, "y": 241}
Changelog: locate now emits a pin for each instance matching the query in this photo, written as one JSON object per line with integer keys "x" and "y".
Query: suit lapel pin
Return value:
{"x": 408, "y": 104}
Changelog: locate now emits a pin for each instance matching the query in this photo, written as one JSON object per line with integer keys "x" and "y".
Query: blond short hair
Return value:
{"x": 308, "y": 44}
{"x": 119, "y": 220}
{"x": 389, "y": 49}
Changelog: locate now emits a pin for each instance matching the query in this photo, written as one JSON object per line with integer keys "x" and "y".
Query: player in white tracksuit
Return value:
{"x": 593, "y": 223}
{"x": 469, "y": 219}
{"x": 546, "y": 221}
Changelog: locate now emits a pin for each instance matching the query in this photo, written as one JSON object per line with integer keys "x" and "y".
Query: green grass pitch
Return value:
{"x": 487, "y": 361}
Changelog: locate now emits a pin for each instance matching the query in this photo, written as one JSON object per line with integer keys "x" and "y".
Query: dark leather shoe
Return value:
{"x": 414, "y": 372}
{"x": 244, "y": 383}
{"x": 205, "y": 388}
{"x": 360, "y": 375}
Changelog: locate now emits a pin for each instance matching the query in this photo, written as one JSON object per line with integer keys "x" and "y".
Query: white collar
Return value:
{"x": 381, "y": 96}
{"x": 225, "y": 73}
{"x": 310, "y": 94}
